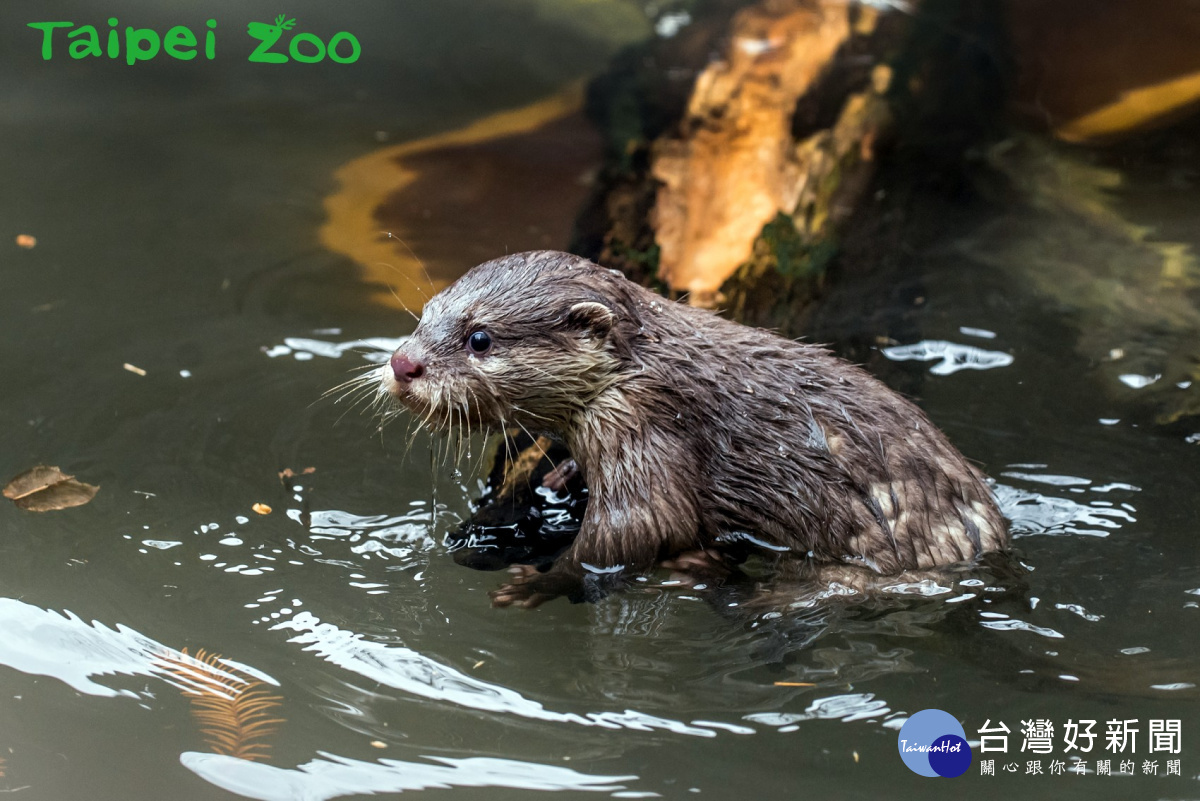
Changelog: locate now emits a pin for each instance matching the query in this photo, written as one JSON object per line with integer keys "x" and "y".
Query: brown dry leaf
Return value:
{"x": 45, "y": 488}
{"x": 26, "y": 241}
{"x": 288, "y": 473}
{"x": 261, "y": 508}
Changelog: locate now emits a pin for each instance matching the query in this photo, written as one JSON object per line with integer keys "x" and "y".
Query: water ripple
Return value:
{"x": 373, "y": 349}
{"x": 333, "y": 776}
{"x": 409, "y": 671}
{"x": 1033, "y": 512}
{"x": 950, "y": 356}
{"x": 847, "y": 708}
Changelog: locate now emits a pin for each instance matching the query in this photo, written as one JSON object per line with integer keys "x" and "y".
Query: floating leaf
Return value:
{"x": 45, "y": 488}
{"x": 261, "y": 508}
{"x": 25, "y": 241}
{"x": 234, "y": 710}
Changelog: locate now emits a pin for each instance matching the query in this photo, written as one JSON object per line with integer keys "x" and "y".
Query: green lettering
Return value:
{"x": 47, "y": 29}
{"x": 135, "y": 38}
{"x": 210, "y": 40}
{"x": 177, "y": 38}
{"x": 114, "y": 45}
{"x": 294, "y": 48}
{"x": 85, "y": 47}
{"x": 267, "y": 35}
{"x": 355, "y": 48}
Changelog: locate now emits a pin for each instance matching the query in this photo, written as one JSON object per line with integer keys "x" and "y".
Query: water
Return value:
{"x": 177, "y": 210}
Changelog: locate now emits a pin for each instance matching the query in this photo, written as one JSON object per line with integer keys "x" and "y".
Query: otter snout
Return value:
{"x": 405, "y": 368}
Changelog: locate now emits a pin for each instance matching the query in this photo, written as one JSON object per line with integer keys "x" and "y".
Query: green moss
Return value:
{"x": 782, "y": 247}
{"x": 638, "y": 265}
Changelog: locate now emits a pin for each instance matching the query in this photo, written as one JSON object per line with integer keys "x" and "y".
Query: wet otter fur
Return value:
{"x": 691, "y": 431}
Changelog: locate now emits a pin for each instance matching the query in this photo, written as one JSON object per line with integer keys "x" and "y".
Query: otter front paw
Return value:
{"x": 523, "y": 590}
{"x": 699, "y": 566}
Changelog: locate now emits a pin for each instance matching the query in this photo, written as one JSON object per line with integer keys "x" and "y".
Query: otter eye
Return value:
{"x": 479, "y": 343}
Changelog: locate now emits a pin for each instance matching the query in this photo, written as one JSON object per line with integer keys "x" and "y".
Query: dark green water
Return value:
{"x": 176, "y": 208}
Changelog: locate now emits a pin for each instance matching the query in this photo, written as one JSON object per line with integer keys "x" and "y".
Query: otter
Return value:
{"x": 691, "y": 432}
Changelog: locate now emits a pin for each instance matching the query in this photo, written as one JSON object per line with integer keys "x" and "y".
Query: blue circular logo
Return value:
{"x": 932, "y": 743}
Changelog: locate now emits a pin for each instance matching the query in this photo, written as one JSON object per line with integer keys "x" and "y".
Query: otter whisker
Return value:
{"x": 429, "y": 413}
{"x": 416, "y": 258}
{"x": 349, "y": 388}
{"x": 371, "y": 366}
{"x": 379, "y": 405}
{"x": 467, "y": 417}
{"x": 349, "y": 384}
{"x": 531, "y": 414}
{"x": 451, "y": 418}
{"x": 403, "y": 305}
{"x": 411, "y": 437}
{"x": 508, "y": 455}
{"x": 359, "y": 395}
{"x": 532, "y": 437}
{"x": 371, "y": 395}
{"x": 459, "y": 439}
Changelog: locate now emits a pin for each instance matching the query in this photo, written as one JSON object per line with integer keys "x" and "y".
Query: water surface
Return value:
{"x": 177, "y": 208}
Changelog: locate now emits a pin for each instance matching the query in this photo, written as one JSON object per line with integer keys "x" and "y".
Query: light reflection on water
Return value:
{"x": 352, "y": 542}
{"x": 62, "y": 646}
{"x": 331, "y": 776}
{"x": 838, "y": 642}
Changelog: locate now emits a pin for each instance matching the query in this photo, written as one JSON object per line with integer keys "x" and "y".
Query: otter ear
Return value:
{"x": 595, "y": 317}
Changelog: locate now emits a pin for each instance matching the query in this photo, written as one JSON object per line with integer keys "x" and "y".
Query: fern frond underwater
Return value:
{"x": 235, "y": 711}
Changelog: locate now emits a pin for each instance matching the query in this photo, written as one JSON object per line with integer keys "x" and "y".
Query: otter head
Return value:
{"x": 529, "y": 339}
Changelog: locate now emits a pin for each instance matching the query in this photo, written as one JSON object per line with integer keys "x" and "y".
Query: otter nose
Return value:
{"x": 405, "y": 369}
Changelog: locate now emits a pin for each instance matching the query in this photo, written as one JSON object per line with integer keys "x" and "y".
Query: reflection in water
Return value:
{"x": 1084, "y": 241}
{"x": 238, "y": 715}
{"x": 1004, "y": 623}
{"x": 333, "y": 776}
{"x": 65, "y": 647}
{"x": 853, "y": 633}
{"x": 373, "y": 349}
{"x": 775, "y": 610}
{"x": 950, "y": 356}
{"x": 1033, "y": 512}
{"x": 414, "y": 673}
{"x": 847, "y": 708}
{"x": 423, "y": 190}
